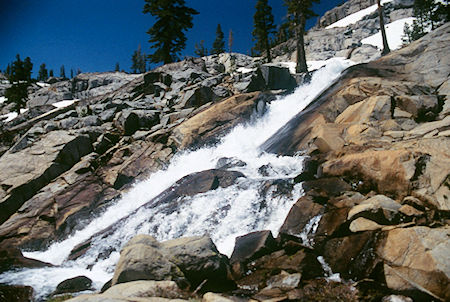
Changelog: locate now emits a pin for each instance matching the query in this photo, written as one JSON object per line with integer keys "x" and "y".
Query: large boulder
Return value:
{"x": 199, "y": 260}
{"x": 277, "y": 77}
{"x": 417, "y": 258}
{"x": 207, "y": 125}
{"x": 157, "y": 291}
{"x": 253, "y": 245}
{"x": 73, "y": 285}
{"x": 141, "y": 259}
{"x": 386, "y": 171}
{"x": 190, "y": 262}
{"x": 129, "y": 121}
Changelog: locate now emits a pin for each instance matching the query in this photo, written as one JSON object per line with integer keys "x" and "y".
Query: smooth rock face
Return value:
{"x": 26, "y": 171}
{"x": 207, "y": 125}
{"x": 417, "y": 258}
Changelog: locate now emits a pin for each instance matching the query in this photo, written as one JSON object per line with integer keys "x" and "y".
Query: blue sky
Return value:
{"x": 95, "y": 34}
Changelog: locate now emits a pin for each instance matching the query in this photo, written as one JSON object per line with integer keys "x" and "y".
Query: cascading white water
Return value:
{"x": 223, "y": 213}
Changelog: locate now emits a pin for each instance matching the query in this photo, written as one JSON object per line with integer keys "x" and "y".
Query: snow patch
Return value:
{"x": 63, "y": 104}
{"x": 245, "y": 70}
{"x": 355, "y": 17}
{"x": 12, "y": 115}
{"x": 394, "y": 33}
{"x": 2, "y": 99}
{"x": 42, "y": 84}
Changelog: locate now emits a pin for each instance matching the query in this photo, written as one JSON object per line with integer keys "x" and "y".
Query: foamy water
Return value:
{"x": 223, "y": 214}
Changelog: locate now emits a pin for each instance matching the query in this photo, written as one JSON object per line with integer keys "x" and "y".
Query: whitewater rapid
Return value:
{"x": 223, "y": 214}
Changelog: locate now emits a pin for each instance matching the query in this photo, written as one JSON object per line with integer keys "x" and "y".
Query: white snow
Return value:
{"x": 355, "y": 17}
{"x": 42, "y": 84}
{"x": 12, "y": 115}
{"x": 394, "y": 33}
{"x": 2, "y": 99}
{"x": 245, "y": 70}
{"x": 62, "y": 104}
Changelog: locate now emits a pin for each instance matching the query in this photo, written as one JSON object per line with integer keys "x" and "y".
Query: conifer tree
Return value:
{"x": 386, "y": 48}
{"x": 300, "y": 11}
{"x": 138, "y": 61}
{"x": 117, "y": 68}
{"x": 219, "y": 43}
{"x": 263, "y": 27}
{"x": 20, "y": 77}
{"x": 43, "y": 73}
{"x": 27, "y": 68}
{"x": 230, "y": 41}
{"x": 62, "y": 72}
{"x": 51, "y": 73}
{"x": 200, "y": 49}
{"x": 71, "y": 73}
{"x": 429, "y": 14}
{"x": 167, "y": 35}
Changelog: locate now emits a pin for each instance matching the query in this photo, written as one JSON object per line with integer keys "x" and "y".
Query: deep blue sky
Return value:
{"x": 95, "y": 34}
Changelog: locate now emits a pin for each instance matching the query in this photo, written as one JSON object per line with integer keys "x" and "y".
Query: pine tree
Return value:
{"x": 51, "y": 73}
{"x": 62, "y": 72}
{"x": 20, "y": 77}
{"x": 71, "y": 73}
{"x": 263, "y": 27}
{"x": 219, "y": 43}
{"x": 138, "y": 61}
{"x": 300, "y": 11}
{"x": 27, "y": 68}
{"x": 200, "y": 49}
{"x": 43, "y": 73}
{"x": 167, "y": 34}
{"x": 8, "y": 70}
{"x": 230, "y": 41}
{"x": 428, "y": 15}
{"x": 386, "y": 48}
{"x": 117, "y": 68}
{"x": 78, "y": 71}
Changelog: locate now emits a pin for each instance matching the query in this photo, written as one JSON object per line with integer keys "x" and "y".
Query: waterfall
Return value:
{"x": 223, "y": 213}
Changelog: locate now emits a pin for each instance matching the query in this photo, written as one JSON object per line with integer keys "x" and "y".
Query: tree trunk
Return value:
{"x": 386, "y": 49}
{"x": 301, "y": 57}
{"x": 269, "y": 58}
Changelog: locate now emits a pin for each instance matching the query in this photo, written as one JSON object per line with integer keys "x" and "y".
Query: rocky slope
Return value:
{"x": 376, "y": 208}
{"x": 322, "y": 43}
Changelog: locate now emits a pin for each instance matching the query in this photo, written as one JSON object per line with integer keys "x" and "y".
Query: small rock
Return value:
{"x": 284, "y": 281}
{"x": 73, "y": 285}
{"x": 409, "y": 210}
{"x": 362, "y": 224}
{"x": 373, "y": 204}
{"x": 398, "y": 113}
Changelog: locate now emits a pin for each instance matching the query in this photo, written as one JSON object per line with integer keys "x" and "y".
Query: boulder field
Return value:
{"x": 371, "y": 226}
